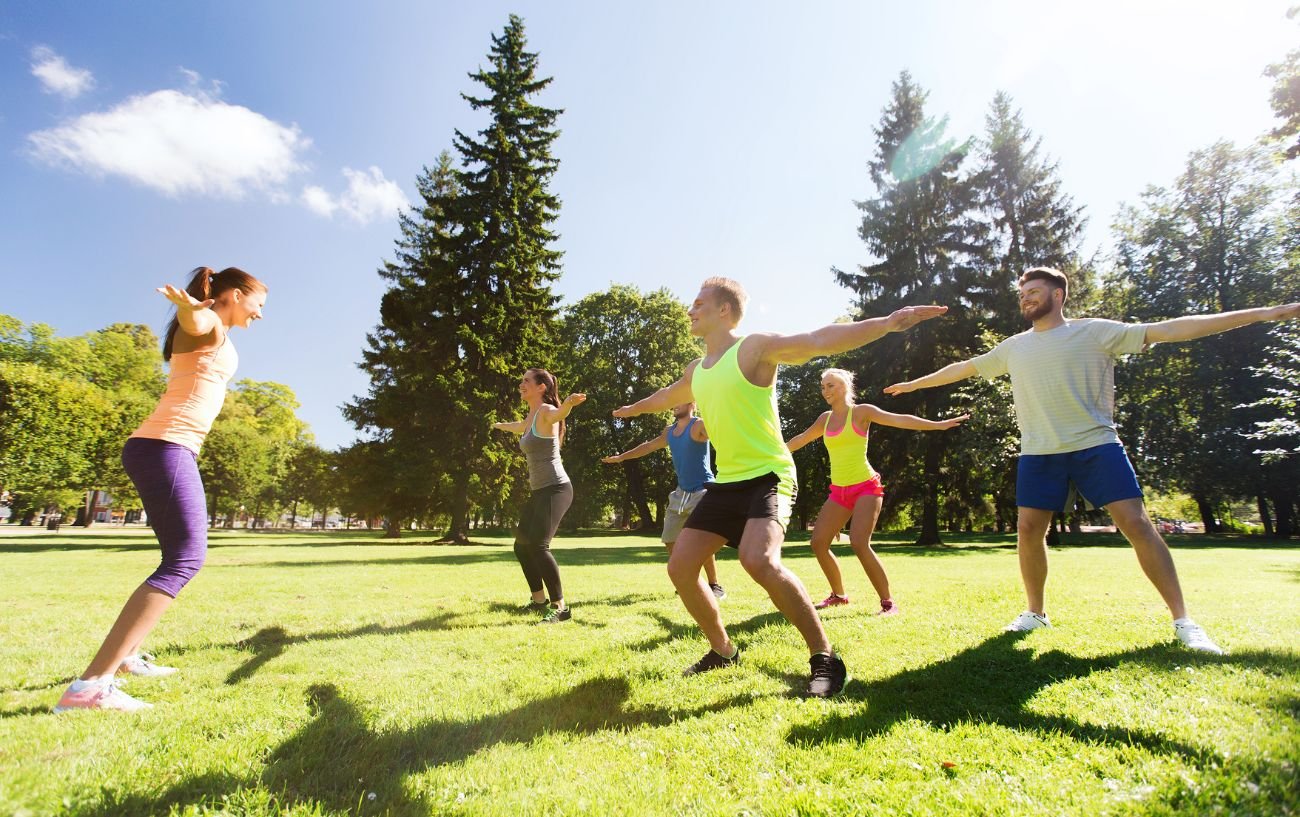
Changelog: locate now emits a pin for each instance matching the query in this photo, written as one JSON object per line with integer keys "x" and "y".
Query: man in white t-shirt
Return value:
{"x": 1063, "y": 383}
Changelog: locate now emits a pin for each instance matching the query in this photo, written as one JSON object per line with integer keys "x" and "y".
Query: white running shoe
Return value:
{"x": 100, "y": 693}
{"x": 1194, "y": 638}
{"x": 1027, "y": 621}
{"x": 142, "y": 664}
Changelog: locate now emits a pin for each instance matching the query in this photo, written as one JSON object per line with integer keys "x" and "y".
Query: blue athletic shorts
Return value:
{"x": 1101, "y": 474}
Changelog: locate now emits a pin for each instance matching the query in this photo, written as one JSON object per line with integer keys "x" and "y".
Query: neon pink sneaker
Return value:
{"x": 887, "y": 608}
{"x": 100, "y": 693}
{"x": 831, "y": 601}
{"x": 142, "y": 664}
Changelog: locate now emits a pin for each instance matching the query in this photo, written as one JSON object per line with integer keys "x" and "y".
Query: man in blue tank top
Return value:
{"x": 688, "y": 443}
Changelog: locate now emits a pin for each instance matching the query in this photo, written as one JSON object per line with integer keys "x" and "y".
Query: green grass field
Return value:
{"x": 339, "y": 673}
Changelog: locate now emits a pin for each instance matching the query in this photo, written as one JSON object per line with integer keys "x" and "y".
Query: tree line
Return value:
{"x": 469, "y": 305}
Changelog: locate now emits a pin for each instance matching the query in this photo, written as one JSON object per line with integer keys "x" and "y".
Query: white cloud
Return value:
{"x": 57, "y": 77}
{"x": 369, "y": 196}
{"x": 318, "y": 201}
{"x": 178, "y": 143}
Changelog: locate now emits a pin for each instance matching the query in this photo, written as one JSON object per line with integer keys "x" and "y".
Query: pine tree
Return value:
{"x": 928, "y": 250}
{"x": 470, "y": 305}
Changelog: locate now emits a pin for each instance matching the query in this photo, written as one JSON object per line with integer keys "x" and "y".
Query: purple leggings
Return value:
{"x": 167, "y": 477}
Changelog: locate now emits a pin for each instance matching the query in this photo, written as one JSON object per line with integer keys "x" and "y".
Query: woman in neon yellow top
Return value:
{"x": 856, "y": 492}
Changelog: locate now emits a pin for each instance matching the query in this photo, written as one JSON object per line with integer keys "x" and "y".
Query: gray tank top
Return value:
{"x": 543, "y": 455}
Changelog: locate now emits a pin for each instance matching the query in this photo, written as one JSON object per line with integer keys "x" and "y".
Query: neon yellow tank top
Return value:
{"x": 743, "y": 423}
{"x": 848, "y": 452}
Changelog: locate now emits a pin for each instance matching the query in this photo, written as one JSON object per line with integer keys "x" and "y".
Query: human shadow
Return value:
{"x": 580, "y": 556}
{"x": 337, "y": 761}
{"x": 271, "y": 642}
{"x": 992, "y": 682}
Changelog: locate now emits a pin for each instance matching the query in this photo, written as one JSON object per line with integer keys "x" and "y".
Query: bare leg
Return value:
{"x": 692, "y": 549}
{"x": 865, "y": 513}
{"x": 137, "y": 619}
{"x": 1131, "y": 518}
{"x": 760, "y": 555}
{"x": 829, "y": 522}
{"x": 710, "y": 564}
{"x": 1031, "y": 546}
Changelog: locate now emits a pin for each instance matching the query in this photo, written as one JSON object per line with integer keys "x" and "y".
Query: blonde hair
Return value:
{"x": 844, "y": 376}
{"x": 728, "y": 291}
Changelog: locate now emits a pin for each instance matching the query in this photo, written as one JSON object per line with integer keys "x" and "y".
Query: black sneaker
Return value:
{"x": 711, "y": 660}
{"x": 718, "y": 592}
{"x": 555, "y": 615}
{"x": 828, "y": 676}
{"x": 536, "y": 606}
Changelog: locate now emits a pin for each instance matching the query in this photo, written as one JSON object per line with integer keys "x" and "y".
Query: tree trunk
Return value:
{"x": 1264, "y": 515}
{"x": 1285, "y": 519}
{"x": 392, "y": 528}
{"x": 636, "y": 492}
{"x": 293, "y": 516}
{"x": 930, "y": 494}
{"x": 458, "y": 528}
{"x": 89, "y": 511}
{"x": 1207, "y": 513}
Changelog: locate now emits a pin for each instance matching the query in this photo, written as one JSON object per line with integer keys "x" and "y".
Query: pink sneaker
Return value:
{"x": 142, "y": 664}
{"x": 888, "y": 608}
{"x": 831, "y": 601}
{"x": 100, "y": 693}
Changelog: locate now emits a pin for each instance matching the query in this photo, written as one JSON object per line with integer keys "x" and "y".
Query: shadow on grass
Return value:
{"x": 337, "y": 759}
{"x": 993, "y": 681}
{"x": 580, "y": 556}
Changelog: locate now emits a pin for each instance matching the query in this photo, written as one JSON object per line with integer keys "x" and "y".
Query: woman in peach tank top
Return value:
{"x": 856, "y": 492}
{"x": 161, "y": 458}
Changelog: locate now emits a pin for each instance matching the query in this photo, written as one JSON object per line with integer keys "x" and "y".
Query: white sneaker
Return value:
{"x": 100, "y": 693}
{"x": 1027, "y": 621}
{"x": 1194, "y": 638}
{"x": 142, "y": 664}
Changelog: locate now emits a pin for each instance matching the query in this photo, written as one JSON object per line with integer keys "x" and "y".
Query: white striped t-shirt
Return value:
{"x": 1063, "y": 381}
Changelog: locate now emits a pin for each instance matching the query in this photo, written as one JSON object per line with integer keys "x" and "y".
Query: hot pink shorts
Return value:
{"x": 847, "y": 495}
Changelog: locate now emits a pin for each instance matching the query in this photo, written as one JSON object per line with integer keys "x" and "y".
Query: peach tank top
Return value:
{"x": 196, "y": 389}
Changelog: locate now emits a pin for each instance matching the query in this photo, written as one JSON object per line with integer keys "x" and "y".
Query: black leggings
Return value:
{"x": 537, "y": 525}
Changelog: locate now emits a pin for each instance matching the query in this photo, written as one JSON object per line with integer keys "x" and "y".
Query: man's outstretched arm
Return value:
{"x": 664, "y": 399}
{"x": 1192, "y": 327}
{"x": 842, "y": 337}
{"x": 948, "y": 374}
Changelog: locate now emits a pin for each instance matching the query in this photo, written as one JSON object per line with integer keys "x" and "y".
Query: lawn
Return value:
{"x": 334, "y": 673}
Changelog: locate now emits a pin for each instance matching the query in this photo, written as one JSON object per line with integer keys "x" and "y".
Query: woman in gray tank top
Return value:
{"x": 541, "y": 434}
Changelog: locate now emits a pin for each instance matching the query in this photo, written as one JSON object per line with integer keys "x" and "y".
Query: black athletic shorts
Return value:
{"x": 727, "y": 506}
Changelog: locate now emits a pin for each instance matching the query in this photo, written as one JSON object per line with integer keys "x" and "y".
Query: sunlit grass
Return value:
{"x": 335, "y": 673}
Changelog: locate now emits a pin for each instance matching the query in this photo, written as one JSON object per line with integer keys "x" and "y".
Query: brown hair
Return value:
{"x": 552, "y": 394}
{"x": 728, "y": 291}
{"x": 1051, "y": 275}
{"x": 205, "y": 284}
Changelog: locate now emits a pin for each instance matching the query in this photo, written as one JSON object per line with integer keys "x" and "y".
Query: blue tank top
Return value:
{"x": 690, "y": 459}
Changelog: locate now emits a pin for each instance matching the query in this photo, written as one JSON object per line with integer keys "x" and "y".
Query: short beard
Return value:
{"x": 680, "y": 414}
{"x": 1042, "y": 311}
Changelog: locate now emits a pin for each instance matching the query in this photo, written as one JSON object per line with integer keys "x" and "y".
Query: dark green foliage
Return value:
{"x": 1211, "y": 243}
{"x": 470, "y": 305}
{"x": 927, "y": 249}
{"x": 619, "y": 345}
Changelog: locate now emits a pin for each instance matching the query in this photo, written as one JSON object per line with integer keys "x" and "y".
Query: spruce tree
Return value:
{"x": 470, "y": 305}
{"x": 927, "y": 249}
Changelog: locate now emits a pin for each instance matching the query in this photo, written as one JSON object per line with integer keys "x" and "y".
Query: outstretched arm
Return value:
{"x": 1192, "y": 327}
{"x": 948, "y": 374}
{"x": 841, "y": 337}
{"x": 664, "y": 399}
{"x": 515, "y": 427}
{"x": 909, "y": 421}
{"x": 193, "y": 316}
{"x": 813, "y": 432}
{"x": 641, "y": 450}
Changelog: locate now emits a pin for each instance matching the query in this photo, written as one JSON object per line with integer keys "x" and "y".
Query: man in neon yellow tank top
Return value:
{"x": 748, "y": 505}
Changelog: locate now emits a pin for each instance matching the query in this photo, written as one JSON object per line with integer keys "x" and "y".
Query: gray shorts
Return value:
{"x": 680, "y": 505}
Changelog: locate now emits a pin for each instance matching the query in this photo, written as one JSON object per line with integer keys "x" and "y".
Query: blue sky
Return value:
{"x": 139, "y": 140}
